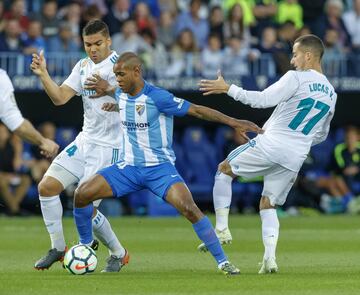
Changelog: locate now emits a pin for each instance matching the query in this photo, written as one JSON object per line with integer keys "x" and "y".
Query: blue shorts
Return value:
{"x": 125, "y": 179}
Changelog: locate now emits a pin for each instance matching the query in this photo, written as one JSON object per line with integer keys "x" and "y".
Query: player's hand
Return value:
{"x": 98, "y": 84}
{"x": 38, "y": 64}
{"x": 243, "y": 126}
{"x": 48, "y": 148}
{"x": 214, "y": 86}
{"x": 110, "y": 107}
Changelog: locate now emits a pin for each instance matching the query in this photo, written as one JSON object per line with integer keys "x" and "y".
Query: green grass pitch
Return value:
{"x": 316, "y": 255}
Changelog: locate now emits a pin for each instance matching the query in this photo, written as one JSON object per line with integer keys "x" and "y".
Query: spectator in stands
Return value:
{"x": 152, "y": 5}
{"x": 184, "y": 56}
{"x": 212, "y": 57}
{"x": 290, "y": 10}
{"x": 10, "y": 39}
{"x": 235, "y": 25}
{"x": 39, "y": 164}
{"x": 18, "y": 11}
{"x": 117, "y": 15}
{"x": 352, "y": 23}
{"x": 72, "y": 14}
{"x": 166, "y": 29}
{"x": 168, "y": 5}
{"x": 269, "y": 45}
{"x": 89, "y": 13}
{"x": 49, "y": 20}
{"x": 64, "y": 42}
{"x": 247, "y": 8}
{"x": 333, "y": 20}
{"x": 313, "y": 15}
{"x": 2, "y": 18}
{"x": 191, "y": 20}
{"x": 347, "y": 159}
{"x": 13, "y": 185}
{"x": 143, "y": 18}
{"x": 334, "y": 51}
{"x": 264, "y": 12}
{"x": 216, "y": 23}
{"x": 154, "y": 59}
{"x": 129, "y": 39}
{"x": 237, "y": 57}
{"x": 286, "y": 36}
{"x": 33, "y": 39}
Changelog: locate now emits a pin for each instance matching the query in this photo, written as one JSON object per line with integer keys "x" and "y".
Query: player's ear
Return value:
{"x": 109, "y": 41}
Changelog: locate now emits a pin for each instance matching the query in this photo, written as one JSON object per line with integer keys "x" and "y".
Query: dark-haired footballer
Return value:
{"x": 95, "y": 147}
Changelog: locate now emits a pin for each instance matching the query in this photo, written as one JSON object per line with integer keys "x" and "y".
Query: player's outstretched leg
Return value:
{"x": 180, "y": 197}
{"x": 52, "y": 210}
{"x": 102, "y": 230}
{"x": 270, "y": 234}
{"x": 222, "y": 192}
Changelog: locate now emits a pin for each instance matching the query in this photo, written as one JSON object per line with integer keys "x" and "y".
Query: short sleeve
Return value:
{"x": 169, "y": 104}
{"x": 74, "y": 80}
{"x": 9, "y": 112}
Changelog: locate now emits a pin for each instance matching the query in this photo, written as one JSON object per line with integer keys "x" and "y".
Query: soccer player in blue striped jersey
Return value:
{"x": 147, "y": 159}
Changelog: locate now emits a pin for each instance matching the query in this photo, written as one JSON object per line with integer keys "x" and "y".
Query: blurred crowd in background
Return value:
{"x": 190, "y": 37}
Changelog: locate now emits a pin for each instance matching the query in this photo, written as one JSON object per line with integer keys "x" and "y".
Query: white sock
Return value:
{"x": 103, "y": 231}
{"x": 270, "y": 231}
{"x": 222, "y": 192}
{"x": 52, "y": 212}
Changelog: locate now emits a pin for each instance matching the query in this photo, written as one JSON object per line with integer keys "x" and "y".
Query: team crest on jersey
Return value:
{"x": 140, "y": 108}
{"x": 84, "y": 63}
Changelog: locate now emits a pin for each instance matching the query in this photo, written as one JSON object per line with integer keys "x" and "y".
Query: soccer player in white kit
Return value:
{"x": 305, "y": 104}
{"x": 96, "y": 146}
{"x": 11, "y": 116}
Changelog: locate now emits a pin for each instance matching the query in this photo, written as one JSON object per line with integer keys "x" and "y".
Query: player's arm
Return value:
{"x": 58, "y": 94}
{"x": 27, "y": 132}
{"x": 269, "y": 97}
{"x": 208, "y": 114}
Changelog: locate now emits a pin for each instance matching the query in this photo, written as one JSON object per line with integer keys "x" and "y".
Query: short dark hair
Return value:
{"x": 313, "y": 43}
{"x": 130, "y": 59}
{"x": 96, "y": 26}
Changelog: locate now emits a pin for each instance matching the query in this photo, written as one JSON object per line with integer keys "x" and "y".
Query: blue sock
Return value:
{"x": 346, "y": 199}
{"x": 83, "y": 223}
{"x": 206, "y": 233}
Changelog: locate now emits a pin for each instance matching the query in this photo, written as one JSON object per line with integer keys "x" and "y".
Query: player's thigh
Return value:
{"x": 96, "y": 158}
{"x": 160, "y": 178}
{"x": 277, "y": 184}
{"x": 68, "y": 166}
{"x": 122, "y": 179}
{"x": 249, "y": 161}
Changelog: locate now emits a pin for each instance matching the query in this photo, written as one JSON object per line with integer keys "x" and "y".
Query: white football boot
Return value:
{"x": 268, "y": 266}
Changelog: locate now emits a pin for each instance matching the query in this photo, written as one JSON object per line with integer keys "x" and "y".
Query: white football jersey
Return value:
{"x": 305, "y": 106}
{"x": 9, "y": 112}
{"x": 99, "y": 127}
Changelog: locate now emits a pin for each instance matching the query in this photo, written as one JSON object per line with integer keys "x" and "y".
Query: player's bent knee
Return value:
{"x": 191, "y": 212}
{"x": 83, "y": 196}
{"x": 49, "y": 187}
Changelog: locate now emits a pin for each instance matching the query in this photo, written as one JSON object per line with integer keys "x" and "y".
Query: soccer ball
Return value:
{"x": 80, "y": 260}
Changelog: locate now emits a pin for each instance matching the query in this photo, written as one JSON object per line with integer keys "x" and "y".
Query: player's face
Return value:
{"x": 298, "y": 58}
{"x": 97, "y": 47}
{"x": 125, "y": 77}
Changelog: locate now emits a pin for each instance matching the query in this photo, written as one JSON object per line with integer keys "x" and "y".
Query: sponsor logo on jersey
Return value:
{"x": 140, "y": 108}
{"x": 134, "y": 126}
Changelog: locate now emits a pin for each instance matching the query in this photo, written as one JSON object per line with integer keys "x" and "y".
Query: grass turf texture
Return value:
{"x": 316, "y": 255}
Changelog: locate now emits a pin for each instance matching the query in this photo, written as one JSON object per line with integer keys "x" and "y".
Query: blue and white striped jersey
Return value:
{"x": 147, "y": 123}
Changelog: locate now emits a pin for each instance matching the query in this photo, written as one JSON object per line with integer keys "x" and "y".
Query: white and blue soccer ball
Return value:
{"x": 80, "y": 260}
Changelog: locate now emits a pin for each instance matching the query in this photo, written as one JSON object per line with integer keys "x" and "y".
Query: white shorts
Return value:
{"x": 82, "y": 159}
{"x": 249, "y": 161}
